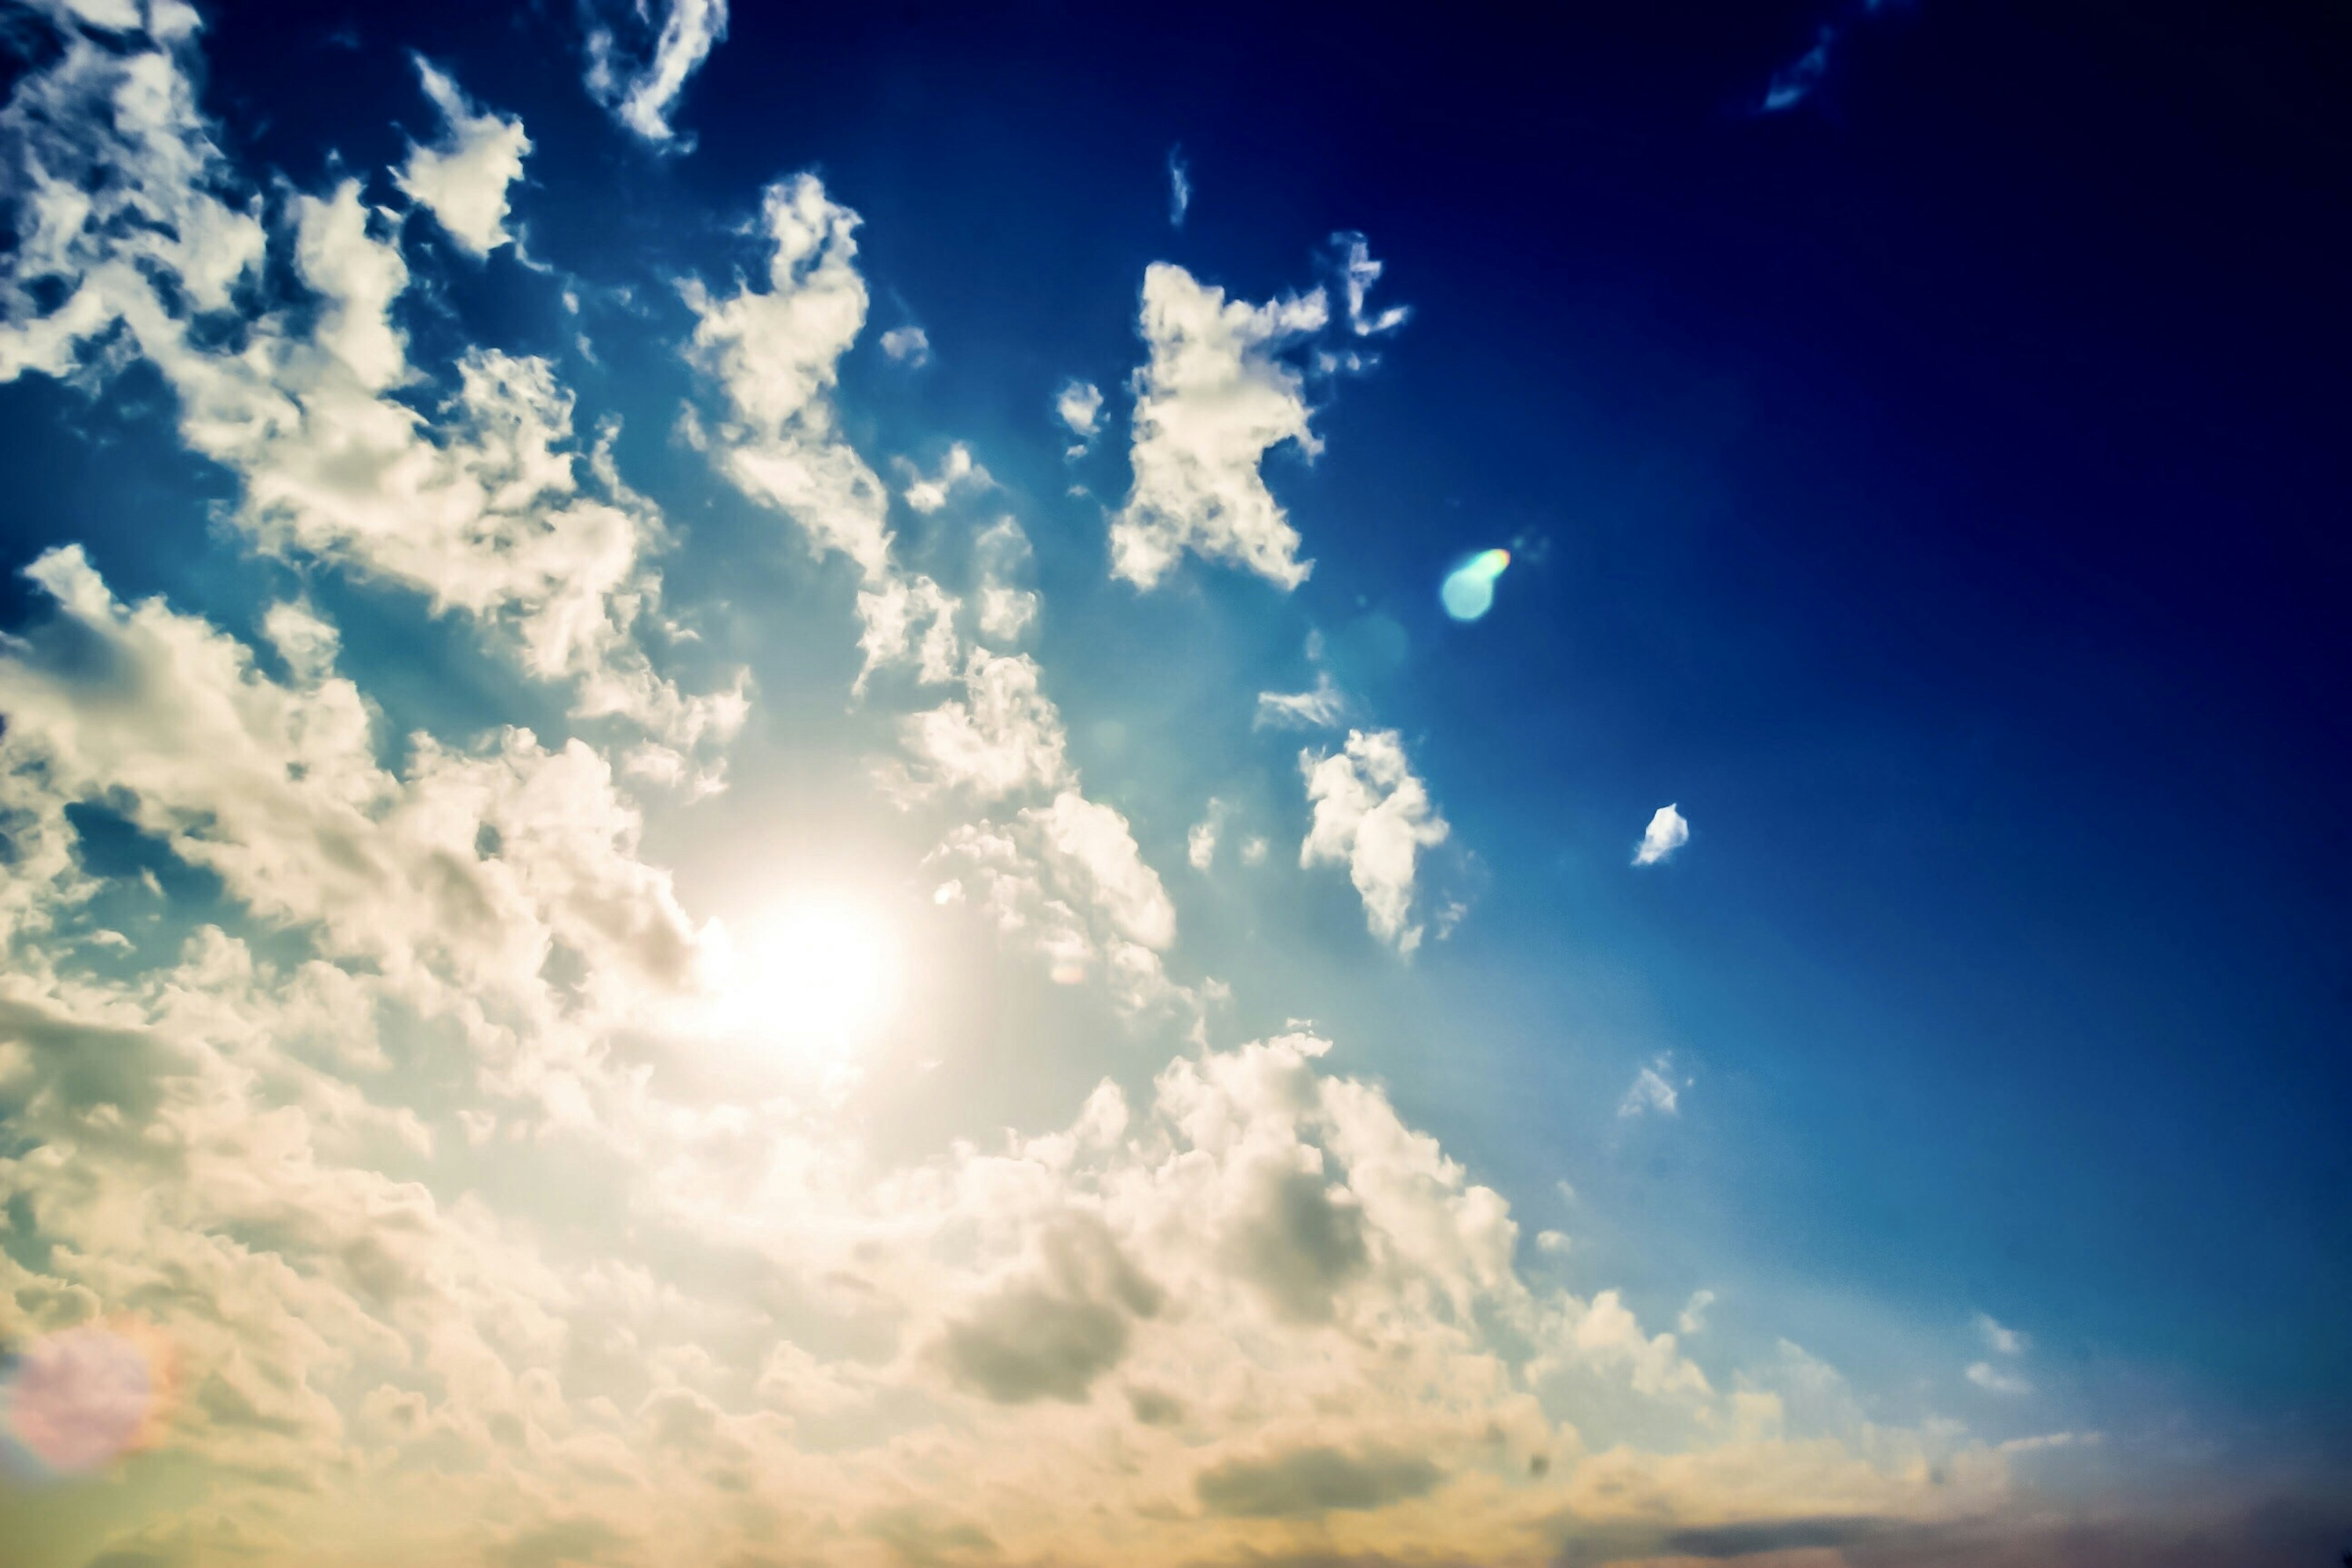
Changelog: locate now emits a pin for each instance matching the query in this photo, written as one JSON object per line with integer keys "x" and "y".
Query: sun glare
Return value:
{"x": 821, "y": 972}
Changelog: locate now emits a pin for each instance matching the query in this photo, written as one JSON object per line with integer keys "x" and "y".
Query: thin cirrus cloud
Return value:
{"x": 393, "y": 1140}
{"x": 1180, "y": 187}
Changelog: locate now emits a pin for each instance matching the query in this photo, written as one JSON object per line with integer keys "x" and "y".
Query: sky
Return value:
{"x": 1030, "y": 784}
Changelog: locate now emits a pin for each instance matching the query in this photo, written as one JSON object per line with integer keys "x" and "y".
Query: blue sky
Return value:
{"x": 743, "y": 828}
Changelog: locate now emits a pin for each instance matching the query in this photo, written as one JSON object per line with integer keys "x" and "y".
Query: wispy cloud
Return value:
{"x": 1652, "y": 1091}
{"x": 1801, "y": 78}
{"x": 642, "y": 89}
{"x": 909, "y": 345}
{"x": 1321, "y": 706}
{"x": 1180, "y": 187}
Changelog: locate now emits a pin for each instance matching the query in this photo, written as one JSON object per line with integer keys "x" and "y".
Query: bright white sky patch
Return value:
{"x": 1993, "y": 1380}
{"x": 1668, "y": 832}
{"x": 818, "y": 973}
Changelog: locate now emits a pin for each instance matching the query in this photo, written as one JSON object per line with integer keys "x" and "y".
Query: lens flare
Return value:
{"x": 77, "y": 1401}
{"x": 1469, "y": 589}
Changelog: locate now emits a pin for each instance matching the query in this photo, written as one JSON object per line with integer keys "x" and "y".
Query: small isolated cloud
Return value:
{"x": 1079, "y": 406}
{"x": 462, "y": 179}
{"x": 1321, "y": 708}
{"x": 1992, "y": 1380}
{"x": 1357, "y": 273}
{"x": 1201, "y": 842}
{"x": 2000, "y": 1341}
{"x": 1668, "y": 832}
{"x": 1801, "y": 78}
{"x": 1374, "y": 817}
{"x": 1694, "y": 1314}
{"x": 1652, "y": 1090}
{"x": 1180, "y": 187}
{"x": 909, "y": 345}
{"x": 1555, "y": 1242}
{"x": 643, "y": 90}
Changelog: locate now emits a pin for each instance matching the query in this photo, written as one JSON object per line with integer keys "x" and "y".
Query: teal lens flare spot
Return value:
{"x": 1469, "y": 589}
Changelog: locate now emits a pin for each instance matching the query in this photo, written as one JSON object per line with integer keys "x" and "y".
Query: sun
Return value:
{"x": 818, "y": 971}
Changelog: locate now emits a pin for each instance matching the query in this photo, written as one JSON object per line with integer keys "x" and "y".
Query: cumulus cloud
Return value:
{"x": 909, "y": 345}
{"x": 1373, "y": 815}
{"x": 642, "y": 89}
{"x": 462, "y": 180}
{"x": 1212, "y": 400}
{"x": 1079, "y": 406}
{"x": 1668, "y": 832}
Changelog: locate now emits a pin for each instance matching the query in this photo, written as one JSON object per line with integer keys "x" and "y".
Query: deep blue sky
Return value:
{"x": 1938, "y": 489}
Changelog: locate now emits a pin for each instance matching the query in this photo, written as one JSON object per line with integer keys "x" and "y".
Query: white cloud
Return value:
{"x": 775, "y": 354}
{"x": 1999, "y": 1340}
{"x": 643, "y": 91}
{"x": 957, "y": 470}
{"x": 1374, "y": 817}
{"x": 463, "y": 179}
{"x": 1320, "y": 708}
{"x": 1180, "y": 187}
{"x": 1002, "y": 738}
{"x": 1992, "y": 1380}
{"x": 1693, "y": 1313}
{"x": 1651, "y": 1091}
{"x": 1211, "y": 401}
{"x": 1006, "y": 609}
{"x": 1200, "y": 840}
{"x": 1255, "y": 850}
{"x": 1078, "y": 405}
{"x": 1668, "y": 832}
{"x": 909, "y": 345}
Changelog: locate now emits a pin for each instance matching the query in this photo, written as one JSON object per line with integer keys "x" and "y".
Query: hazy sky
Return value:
{"x": 936, "y": 785}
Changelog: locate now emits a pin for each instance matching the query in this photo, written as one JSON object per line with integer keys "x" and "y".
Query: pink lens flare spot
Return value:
{"x": 79, "y": 1399}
